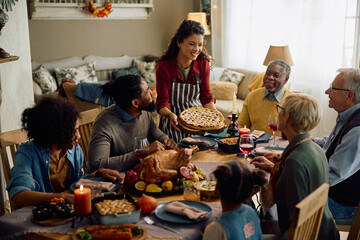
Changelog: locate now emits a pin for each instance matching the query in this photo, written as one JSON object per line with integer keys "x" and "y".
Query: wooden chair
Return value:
{"x": 9, "y": 142}
{"x": 87, "y": 119}
{"x": 308, "y": 214}
{"x": 354, "y": 233}
{"x": 354, "y": 224}
{"x": 353, "y": 229}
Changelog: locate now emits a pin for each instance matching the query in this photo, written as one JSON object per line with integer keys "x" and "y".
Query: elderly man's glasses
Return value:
{"x": 340, "y": 89}
{"x": 279, "y": 108}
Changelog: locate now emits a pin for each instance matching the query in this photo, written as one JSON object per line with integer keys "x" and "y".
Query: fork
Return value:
{"x": 151, "y": 222}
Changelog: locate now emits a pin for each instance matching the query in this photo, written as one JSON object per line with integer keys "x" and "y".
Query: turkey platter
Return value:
{"x": 165, "y": 165}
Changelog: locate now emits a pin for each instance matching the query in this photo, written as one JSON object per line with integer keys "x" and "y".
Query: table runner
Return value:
{"x": 18, "y": 223}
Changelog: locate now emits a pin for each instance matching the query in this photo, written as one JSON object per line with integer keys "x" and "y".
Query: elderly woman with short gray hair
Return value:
{"x": 303, "y": 166}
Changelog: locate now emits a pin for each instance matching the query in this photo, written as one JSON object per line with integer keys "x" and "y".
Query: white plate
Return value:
{"x": 211, "y": 140}
{"x": 99, "y": 179}
{"x": 270, "y": 148}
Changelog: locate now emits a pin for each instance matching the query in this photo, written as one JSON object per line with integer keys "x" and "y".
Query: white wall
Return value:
{"x": 56, "y": 39}
{"x": 16, "y": 77}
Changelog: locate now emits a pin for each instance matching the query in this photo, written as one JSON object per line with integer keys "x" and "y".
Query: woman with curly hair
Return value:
{"x": 235, "y": 182}
{"x": 46, "y": 166}
{"x": 182, "y": 77}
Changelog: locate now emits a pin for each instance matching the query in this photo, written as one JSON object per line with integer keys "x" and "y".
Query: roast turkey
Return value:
{"x": 165, "y": 165}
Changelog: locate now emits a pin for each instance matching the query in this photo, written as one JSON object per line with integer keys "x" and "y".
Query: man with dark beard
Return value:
{"x": 115, "y": 128}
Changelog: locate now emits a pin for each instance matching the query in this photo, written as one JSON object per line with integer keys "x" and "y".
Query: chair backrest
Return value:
{"x": 87, "y": 119}
{"x": 9, "y": 142}
{"x": 308, "y": 214}
{"x": 354, "y": 233}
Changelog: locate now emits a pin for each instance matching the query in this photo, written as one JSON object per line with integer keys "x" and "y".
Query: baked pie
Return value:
{"x": 230, "y": 141}
{"x": 200, "y": 118}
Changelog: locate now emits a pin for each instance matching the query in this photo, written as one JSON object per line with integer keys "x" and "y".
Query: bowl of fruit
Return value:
{"x": 135, "y": 184}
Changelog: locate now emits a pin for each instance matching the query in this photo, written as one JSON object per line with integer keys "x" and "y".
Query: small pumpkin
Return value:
{"x": 147, "y": 204}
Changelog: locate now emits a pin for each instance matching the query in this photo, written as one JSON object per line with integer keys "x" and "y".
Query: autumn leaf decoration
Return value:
{"x": 98, "y": 12}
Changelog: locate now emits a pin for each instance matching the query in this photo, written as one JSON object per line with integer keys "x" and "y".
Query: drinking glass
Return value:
{"x": 273, "y": 125}
{"x": 190, "y": 193}
{"x": 96, "y": 189}
{"x": 246, "y": 144}
{"x": 141, "y": 148}
{"x": 230, "y": 117}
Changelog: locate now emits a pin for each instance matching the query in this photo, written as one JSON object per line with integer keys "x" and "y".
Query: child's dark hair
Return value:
{"x": 122, "y": 90}
{"x": 51, "y": 121}
{"x": 235, "y": 181}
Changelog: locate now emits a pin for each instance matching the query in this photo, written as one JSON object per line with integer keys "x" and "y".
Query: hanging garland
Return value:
{"x": 7, "y": 4}
{"x": 98, "y": 12}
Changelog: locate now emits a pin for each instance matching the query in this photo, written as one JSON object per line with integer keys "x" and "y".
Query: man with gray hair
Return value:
{"x": 342, "y": 147}
{"x": 261, "y": 103}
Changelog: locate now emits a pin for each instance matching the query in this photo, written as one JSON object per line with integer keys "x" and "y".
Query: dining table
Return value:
{"x": 18, "y": 224}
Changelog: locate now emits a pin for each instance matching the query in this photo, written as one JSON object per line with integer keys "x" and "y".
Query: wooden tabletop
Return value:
{"x": 214, "y": 156}
{"x": 200, "y": 157}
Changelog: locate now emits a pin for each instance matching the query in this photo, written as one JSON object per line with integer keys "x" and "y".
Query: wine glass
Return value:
{"x": 273, "y": 125}
{"x": 246, "y": 144}
{"x": 141, "y": 148}
{"x": 230, "y": 117}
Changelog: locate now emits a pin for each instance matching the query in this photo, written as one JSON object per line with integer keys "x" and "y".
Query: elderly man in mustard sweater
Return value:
{"x": 261, "y": 103}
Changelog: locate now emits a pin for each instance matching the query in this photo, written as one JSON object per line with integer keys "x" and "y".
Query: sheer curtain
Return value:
{"x": 320, "y": 35}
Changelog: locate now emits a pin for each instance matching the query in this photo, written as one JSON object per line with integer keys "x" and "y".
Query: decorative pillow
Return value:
{"x": 84, "y": 73}
{"x": 103, "y": 63}
{"x": 125, "y": 71}
{"x": 147, "y": 70}
{"x": 223, "y": 90}
{"x": 232, "y": 76}
{"x": 46, "y": 81}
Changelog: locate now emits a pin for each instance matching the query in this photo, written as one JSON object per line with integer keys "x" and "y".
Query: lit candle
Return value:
{"x": 82, "y": 201}
{"x": 234, "y": 104}
{"x": 244, "y": 130}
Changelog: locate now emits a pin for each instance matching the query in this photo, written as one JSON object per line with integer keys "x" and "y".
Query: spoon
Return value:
{"x": 151, "y": 222}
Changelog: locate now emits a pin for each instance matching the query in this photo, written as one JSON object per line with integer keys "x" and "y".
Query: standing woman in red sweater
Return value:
{"x": 182, "y": 77}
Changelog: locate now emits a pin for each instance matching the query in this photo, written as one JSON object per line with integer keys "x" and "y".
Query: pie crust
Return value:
{"x": 200, "y": 118}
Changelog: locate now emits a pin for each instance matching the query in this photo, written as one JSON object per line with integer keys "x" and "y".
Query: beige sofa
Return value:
{"x": 225, "y": 106}
{"x": 45, "y": 77}
{"x": 106, "y": 65}
{"x": 69, "y": 90}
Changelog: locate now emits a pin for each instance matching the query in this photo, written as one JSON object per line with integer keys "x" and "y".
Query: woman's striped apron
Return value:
{"x": 182, "y": 96}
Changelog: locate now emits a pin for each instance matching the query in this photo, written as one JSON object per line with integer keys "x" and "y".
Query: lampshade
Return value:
{"x": 201, "y": 18}
{"x": 278, "y": 53}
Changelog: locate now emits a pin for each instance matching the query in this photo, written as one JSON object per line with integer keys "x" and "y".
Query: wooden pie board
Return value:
{"x": 51, "y": 222}
{"x": 142, "y": 236}
{"x": 191, "y": 131}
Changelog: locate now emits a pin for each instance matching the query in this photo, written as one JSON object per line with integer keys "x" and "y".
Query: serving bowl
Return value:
{"x": 207, "y": 189}
{"x": 117, "y": 218}
{"x": 229, "y": 144}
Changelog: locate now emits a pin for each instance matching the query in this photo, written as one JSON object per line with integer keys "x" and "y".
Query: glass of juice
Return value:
{"x": 191, "y": 193}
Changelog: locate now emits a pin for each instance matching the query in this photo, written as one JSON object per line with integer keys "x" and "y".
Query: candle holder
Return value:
{"x": 232, "y": 129}
{"x": 76, "y": 217}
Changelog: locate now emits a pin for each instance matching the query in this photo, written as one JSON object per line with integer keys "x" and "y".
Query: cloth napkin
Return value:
{"x": 257, "y": 133}
{"x": 183, "y": 209}
{"x": 105, "y": 186}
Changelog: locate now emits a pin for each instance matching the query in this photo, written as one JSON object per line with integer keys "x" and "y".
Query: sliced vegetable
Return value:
{"x": 187, "y": 173}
